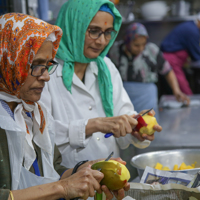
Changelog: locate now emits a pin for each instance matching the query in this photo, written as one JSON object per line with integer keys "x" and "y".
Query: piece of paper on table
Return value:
{"x": 153, "y": 176}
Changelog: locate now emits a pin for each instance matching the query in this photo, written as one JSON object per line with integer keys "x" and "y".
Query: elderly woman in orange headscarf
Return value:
{"x": 28, "y": 154}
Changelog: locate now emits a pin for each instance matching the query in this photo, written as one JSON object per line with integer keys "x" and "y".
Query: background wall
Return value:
{"x": 158, "y": 29}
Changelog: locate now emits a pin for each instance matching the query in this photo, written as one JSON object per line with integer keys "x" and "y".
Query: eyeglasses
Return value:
{"x": 96, "y": 33}
{"x": 38, "y": 70}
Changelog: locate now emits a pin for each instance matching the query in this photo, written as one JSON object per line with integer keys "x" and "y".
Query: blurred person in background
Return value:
{"x": 139, "y": 63}
{"x": 181, "y": 42}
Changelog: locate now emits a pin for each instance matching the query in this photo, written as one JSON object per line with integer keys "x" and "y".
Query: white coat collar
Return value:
{"x": 92, "y": 66}
{"x": 90, "y": 75}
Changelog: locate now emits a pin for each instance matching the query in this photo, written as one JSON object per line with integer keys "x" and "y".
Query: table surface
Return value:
{"x": 181, "y": 129}
{"x": 181, "y": 126}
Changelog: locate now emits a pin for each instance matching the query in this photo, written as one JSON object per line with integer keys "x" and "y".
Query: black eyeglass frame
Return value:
{"x": 101, "y": 32}
{"x": 46, "y": 66}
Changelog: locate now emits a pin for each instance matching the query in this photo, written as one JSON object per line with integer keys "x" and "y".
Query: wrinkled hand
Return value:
{"x": 181, "y": 97}
{"x": 119, "y": 126}
{"x": 119, "y": 160}
{"x": 144, "y": 136}
{"x": 82, "y": 184}
{"x": 119, "y": 194}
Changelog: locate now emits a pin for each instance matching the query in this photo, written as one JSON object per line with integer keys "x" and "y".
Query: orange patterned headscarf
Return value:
{"x": 21, "y": 36}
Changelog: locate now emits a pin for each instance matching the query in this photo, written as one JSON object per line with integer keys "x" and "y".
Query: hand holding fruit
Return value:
{"x": 82, "y": 184}
{"x": 119, "y": 126}
{"x": 116, "y": 175}
{"x": 119, "y": 193}
{"x": 146, "y": 126}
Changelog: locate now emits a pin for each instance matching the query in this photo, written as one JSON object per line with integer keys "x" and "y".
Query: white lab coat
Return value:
{"x": 22, "y": 178}
{"x": 85, "y": 103}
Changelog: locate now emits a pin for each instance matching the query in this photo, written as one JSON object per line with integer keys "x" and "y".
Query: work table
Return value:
{"x": 181, "y": 127}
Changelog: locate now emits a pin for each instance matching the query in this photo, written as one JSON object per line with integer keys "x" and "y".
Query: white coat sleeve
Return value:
{"x": 123, "y": 105}
{"x": 71, "y": 133}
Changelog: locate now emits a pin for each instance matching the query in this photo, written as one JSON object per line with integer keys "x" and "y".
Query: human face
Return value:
{"x": 93, "y": 47}
{"x": 137, "y": 45}
{"x": 33, "y": 86}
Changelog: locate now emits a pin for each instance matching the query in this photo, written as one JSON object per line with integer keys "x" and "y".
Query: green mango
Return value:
{"x": 116, "y": 175}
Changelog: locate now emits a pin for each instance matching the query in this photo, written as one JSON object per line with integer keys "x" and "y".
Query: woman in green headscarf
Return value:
{"x": 87, "y": 92}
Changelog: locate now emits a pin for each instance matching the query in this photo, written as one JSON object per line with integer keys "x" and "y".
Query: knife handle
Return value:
{"x": 107, "y": 135}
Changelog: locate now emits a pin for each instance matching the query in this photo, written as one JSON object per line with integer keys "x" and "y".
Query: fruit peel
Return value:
{"x": 141, "y": 123}
{"x": 116, "y": 175}
{"x": 147, "y": 129}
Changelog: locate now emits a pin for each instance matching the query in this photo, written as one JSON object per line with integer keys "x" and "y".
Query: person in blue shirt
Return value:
{"x": 181, "y": 42}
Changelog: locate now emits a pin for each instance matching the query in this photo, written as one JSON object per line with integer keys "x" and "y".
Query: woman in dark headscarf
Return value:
{"x": 139, "y": 63}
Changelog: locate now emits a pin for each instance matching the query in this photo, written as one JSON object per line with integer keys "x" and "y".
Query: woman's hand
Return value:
{"x": 82, "y": 184}
{"x": 119, "y": 126}
{"x": 181, "y": 97}
{"x": 119, "y": 194}
{"x": 144, "y": 136}
{"x": 172, "y": 80}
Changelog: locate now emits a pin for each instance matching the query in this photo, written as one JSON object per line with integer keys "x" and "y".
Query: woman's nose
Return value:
{"x": 141, "y": 48}
{"x": 45, "y": 76}
{"x": 101, "y": 39}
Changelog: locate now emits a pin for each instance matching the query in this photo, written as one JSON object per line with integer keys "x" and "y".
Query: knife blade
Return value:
{"x": 108, "y": 158}
{"x": 107, "y": 135}
{"x": 147, "y": 111}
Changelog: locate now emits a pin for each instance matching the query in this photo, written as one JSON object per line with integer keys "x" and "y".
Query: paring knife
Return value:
{"x": 108, "y": 158}
{"x": 107, "y": 135}
{"x": 100, "y": 196}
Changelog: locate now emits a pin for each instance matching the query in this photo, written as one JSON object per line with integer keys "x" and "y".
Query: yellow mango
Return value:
{"x": 166, "y": 168}
{"x": 175, "y": 167}
{"x": 151, "y": 121}
{"x": 183, "y": 166}
{"x": 158, "y": 166}
{"x": 116, "y": 175}
{"x": 189, "y": 167}
{"x": 194, "y": 164}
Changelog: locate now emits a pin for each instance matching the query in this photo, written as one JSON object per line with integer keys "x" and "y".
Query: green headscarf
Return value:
{"x": 74, "y": 19}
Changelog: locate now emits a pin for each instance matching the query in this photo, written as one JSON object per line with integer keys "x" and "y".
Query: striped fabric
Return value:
{"x": 7, "y": 108}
